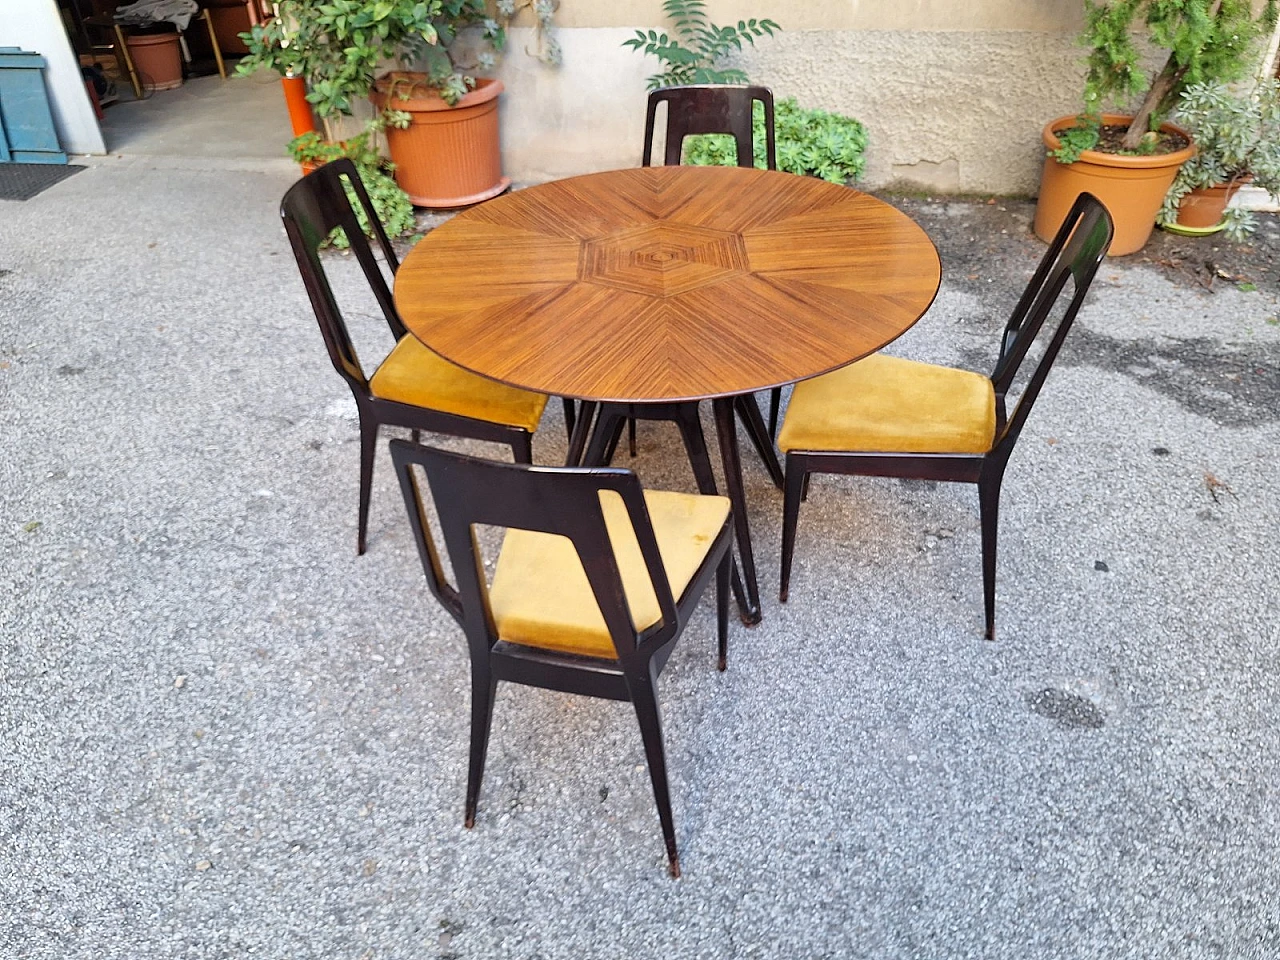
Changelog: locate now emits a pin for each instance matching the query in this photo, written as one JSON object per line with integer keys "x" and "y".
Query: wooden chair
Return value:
{"x": 691, "y": 110}
{"x": 888, "y": 417}
{"x": 412, "y": 387}
{"x": 592, "y": 587}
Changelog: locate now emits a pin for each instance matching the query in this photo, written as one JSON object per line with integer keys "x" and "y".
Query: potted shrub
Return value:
{"x": 809, "y": 142}
{"x": 1237, "y": 141}
{"x": 443, "y": 135}
{"x": 1130, "y": 161}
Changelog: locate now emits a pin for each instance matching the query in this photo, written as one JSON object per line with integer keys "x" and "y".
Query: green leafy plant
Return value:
{"x": 1206, "y": 40}
{"x": 390, "y": 203}
{"x": 1237, "y": 137}
{"x": 809, "y": 142}
{"x": 693, "y": 54}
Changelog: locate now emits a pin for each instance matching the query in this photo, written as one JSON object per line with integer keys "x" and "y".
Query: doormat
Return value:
{"x": 22, "y": 181}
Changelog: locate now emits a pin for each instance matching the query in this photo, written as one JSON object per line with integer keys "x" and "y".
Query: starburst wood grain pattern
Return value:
{"x": 667, "y": 283}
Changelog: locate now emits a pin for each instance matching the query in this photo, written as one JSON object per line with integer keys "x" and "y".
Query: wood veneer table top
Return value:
{"x": 667, "y": 283}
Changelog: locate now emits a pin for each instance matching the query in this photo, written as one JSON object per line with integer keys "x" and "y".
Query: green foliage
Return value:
{"x": 1236, "y": 137}
{"x": 809, "y": 142}
{"x": 692, "y": 55}
{"x": 338, "y": 46}
{"x": 1204, "y": 40}
{"x": 390, "y": 203}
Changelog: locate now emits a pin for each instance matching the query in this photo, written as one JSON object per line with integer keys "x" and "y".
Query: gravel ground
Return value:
{"x": 225, "y": 735}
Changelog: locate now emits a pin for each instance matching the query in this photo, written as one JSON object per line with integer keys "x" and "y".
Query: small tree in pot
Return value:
{"x": 1129, "y": 161}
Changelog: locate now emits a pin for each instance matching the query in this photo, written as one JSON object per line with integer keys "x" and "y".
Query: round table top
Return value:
{"x": 667, "y": 283}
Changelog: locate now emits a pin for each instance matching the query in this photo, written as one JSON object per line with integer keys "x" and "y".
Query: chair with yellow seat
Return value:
{"x": 412, "y": 387}
{"x": 594, "y": 583}
{"x": 887, "y": 417}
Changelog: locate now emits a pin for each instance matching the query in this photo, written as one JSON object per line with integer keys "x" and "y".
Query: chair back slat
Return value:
{"x": 563, "y": 501}
{"x": 711, "y": 108}
{"x": 311, "y": 209}
{"x": 1074, "y": 255}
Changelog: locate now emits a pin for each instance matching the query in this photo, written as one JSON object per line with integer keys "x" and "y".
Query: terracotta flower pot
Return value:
{"x": 157, "y": 58}
{"x": 1205, "y": 207}
{"x": 1131, "y": 188}
{"x": 447, "y": 156}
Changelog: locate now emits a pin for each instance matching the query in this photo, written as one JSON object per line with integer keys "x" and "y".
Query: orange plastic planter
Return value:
{"x": 447, "y": 156}
{"x": 1131, "y": 188}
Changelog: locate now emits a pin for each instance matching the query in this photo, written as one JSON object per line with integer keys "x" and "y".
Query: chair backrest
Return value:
{"x": 1075, "y": 254}
{"x": 711, "y": 108}
{"x": 311, "y": 209}
{"x": 558, "y": 500}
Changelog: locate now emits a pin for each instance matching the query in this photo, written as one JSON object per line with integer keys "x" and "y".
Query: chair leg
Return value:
{"x": 631, "y": 436}
{"x": 522, "y": 447}
{"x": 368, "y": 449}
{"x": 644, "y": 696}
{"x": 775, "y": 402}
{"x": 989, "y": 508}
{"x": 722, "y": 609}
{"x": 570, "y": 417}
{"x": 484, "y": 687}
{"x": 749, "y": 412}
{"x": 797, "y": 481}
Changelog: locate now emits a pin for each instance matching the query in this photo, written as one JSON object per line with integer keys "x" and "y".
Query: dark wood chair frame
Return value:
{"x": 311, "y": 209}
{"x": 564, "y": 501}
{"x": 1076, "y": 252}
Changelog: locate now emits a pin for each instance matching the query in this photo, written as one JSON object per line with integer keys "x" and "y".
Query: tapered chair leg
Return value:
{"x": 644, "y": 696}
{"x": 631, "y": 435}
{"x": 614, "y": 437}
{"x": 797, "y": 481}
{"x": 722, "y": 609}
{"x": 775, "y": 402}
{"x": 989, "y": 508}
{"x": 483, "y": 689}
{"x": 522, "y": 448}
{"x": 368, "y": 449}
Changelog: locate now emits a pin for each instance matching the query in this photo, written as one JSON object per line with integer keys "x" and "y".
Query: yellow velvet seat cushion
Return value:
{"x": 415, "y": 375}
{"x": 540, "y": 595}
{"x": 890, "y": 405}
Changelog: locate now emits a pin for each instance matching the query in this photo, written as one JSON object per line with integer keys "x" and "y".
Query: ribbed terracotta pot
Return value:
{"x": 1131, "y": 188}
{"x": 447, "y": 156}
{"x": 1205, "y": 207}
{"x": 157, "y": 58}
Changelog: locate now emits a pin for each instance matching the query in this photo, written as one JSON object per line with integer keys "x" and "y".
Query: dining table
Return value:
{"x": 669, "y": 285}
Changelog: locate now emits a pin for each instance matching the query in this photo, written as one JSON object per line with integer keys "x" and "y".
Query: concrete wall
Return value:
{"x": 953, "y": 93}
{"x": 37, "y": 25}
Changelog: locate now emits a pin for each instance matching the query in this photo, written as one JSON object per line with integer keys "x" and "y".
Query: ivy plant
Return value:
{"x": 1237, "y": 137}
{"x": 1201, "y": 40}
{"x": 809, "y": 142}
{"x": 390, "y": 203}
{"x": 695, "y": 52}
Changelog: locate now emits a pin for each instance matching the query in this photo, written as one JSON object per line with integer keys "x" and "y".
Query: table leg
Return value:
{"x": 581, "y": 431}
{"x": 728, "y": 434}
{"x": 760, "y": 437}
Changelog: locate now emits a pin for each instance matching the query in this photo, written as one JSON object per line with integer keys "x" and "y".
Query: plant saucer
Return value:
{"x": 1182, "y": 231}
